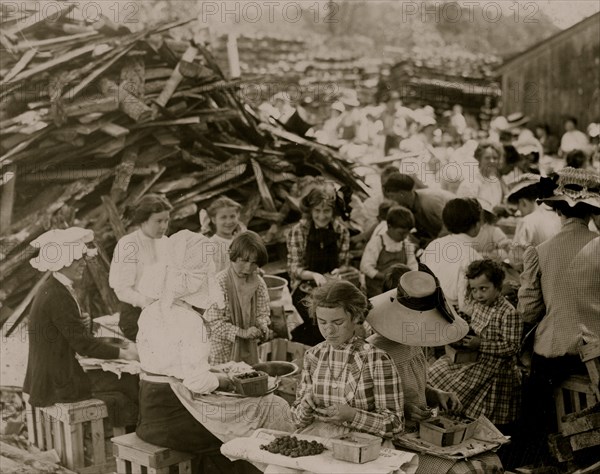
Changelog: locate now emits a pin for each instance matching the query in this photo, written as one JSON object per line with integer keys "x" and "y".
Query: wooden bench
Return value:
{"x": 132, "y": 454}
{"x": 75, "y": 431}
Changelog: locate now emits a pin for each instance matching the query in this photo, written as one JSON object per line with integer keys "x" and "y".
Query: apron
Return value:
{"x": 242, "y": 302}
{"x": 385, "y": 260}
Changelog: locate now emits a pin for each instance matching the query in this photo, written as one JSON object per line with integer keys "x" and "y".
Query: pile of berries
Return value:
{"x": 293, "y": 447}
{"x": 248, "y": 375}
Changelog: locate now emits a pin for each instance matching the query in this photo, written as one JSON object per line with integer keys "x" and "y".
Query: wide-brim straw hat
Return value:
{"x": 416, "y": 314}
{"x": 573, "y": 186}
{"x": 517, "y": 119}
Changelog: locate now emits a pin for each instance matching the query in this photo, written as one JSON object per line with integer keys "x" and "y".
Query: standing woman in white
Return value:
{"x": 145, "y": 246}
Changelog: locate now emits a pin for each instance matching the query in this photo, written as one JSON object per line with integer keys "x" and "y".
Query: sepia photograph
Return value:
{"x": 300, "y": 237}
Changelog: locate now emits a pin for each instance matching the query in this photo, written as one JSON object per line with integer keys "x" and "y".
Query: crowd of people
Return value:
{"x": 436, "y": 270}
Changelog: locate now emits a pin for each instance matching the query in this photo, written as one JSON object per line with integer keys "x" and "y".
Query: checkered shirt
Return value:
{"x": 296, "y": 247}
{"x": 367, "y": 381}
{"x": 488, "y": 386}
{"x": 222, "y": 332}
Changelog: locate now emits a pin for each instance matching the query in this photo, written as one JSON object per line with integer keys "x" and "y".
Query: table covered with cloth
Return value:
{"x": 248, "y": 448}
{"x": 233, "y": 417}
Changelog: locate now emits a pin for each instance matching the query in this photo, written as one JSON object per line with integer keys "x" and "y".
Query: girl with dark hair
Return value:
{"x": 134, "y": 253}
{"x": 317, "y": 245}
{"x": 485, "y": 182}
{"x": 490, "y": 386}
{"x": 240, "y": 316}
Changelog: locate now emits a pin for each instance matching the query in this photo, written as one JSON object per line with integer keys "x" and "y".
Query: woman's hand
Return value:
{"x": 308, "y": 402}
{"x": 337, "y": 413}
{"x": 472, "y": 342}
{"x": 250, "y": 333}
{"x": 413, "y": 412}
{"x": 319, "y": 279}
{"x": 225, "y": 383}
{"x": 447, "y": 401}
{"x": 129, "y": 352}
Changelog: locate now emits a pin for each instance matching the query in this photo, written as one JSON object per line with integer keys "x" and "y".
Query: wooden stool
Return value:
{"x": 574, "y": 394}
{"x": 132, "y": 454}
{"x": 63, "y": 427}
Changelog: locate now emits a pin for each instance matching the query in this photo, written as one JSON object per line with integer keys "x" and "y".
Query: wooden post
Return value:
{"x": 233, "y": 56}
{"x": 9, "y": 179}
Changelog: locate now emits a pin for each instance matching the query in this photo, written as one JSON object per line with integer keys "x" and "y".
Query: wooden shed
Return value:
{"x": 557, "y": 77}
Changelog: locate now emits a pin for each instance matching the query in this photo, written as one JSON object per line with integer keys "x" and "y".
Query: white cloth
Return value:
{"x": 368, "y": 262}
{"x": 537, "y": 227}
{"x": 448, "y": 258}
{"x": 218, "y": 247}
{"x": 176, "y": 345}
{"x": 132, "y": 254}
{"x": 574, "y": 140}
{"x": 477, "y": 186}
{"x": 172, "y": 339}
{"x": 230, "y": 417}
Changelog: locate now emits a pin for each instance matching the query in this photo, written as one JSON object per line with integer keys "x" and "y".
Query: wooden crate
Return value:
{"x": 590, "y": 356}
{"x": 65, "y": 427}
{"x": 574, "y": 395}
{"x": 134, "y": 454}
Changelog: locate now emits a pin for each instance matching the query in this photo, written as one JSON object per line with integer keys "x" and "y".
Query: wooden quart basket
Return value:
{"x": 443, "y": 431}
{"x": 356, "y": 447}
{"x": 252, "y": 387}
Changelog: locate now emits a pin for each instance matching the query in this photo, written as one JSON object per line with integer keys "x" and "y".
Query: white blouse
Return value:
{"x": 132, "y": 254}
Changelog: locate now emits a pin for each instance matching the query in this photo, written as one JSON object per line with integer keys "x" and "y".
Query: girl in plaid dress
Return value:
{"x": 489, "y": 386}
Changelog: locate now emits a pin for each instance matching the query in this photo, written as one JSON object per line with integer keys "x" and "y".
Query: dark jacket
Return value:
{"x": 56, "y": 333}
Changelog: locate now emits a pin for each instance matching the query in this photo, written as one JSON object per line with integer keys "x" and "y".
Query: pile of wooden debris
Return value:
{"x": 93, "y": 117}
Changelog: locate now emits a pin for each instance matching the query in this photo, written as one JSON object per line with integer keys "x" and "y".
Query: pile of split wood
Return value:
{"x": 93, "y": 117}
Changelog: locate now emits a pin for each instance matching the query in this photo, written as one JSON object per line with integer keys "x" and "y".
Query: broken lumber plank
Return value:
{"x": 133, "y": 75}
{"x": 33, "y": 463}
{"x": 263, "y": 188}
{"x": 41, "y": 44}
{"x": 53, "y": 63}
{"x": 15, "y": 318}
{"x": 176, "y": 77}
{"x": 21, "y": 64}
{"x": 123, "y": 174}
{"x": 585, "y": 440}
{"x": 41, "y": 15}
{"x": 113, "y": 217}
{"x": 579, "y": 425}
{"x": 114, "y": 130}
{"x": 128, "y": 103}
{"x": 143, "y": 187}
{"x": 250, "y": 209}
{"x": 88, "y": 106}
{"x": 9, "y": 179}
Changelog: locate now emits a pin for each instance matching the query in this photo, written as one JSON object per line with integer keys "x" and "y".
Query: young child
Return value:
{"x": 491, "y": 241}
{"x": 221, "y": 223}
{"x": 240, "y": 316}
{"x": 490, "y": 386}
{"x": 448, "y": 257}
{"x": 388, "y": 248}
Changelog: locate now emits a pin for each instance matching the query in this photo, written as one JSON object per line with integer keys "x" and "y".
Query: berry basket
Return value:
{"x": 356, "y": 447}
{"x": 251, "y": 384}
